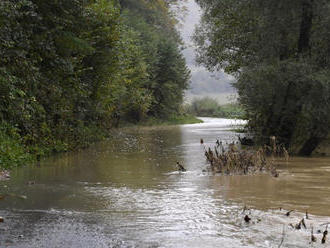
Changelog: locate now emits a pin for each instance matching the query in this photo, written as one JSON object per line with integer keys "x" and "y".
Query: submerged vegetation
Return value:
{"x": 71, "y": 70}
{"x": 278, "y": 51}
{"x": 301, "y": 222}
{"x": 208, "y": 107}
{"x": 238, "y": 161}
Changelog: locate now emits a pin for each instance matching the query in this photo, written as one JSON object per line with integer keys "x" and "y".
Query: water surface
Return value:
{"x": 126, "y": 192}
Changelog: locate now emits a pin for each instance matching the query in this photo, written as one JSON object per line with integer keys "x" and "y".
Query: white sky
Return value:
{"x": 203, "y": 82}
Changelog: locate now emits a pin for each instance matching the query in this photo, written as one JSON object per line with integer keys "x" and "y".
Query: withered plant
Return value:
{"x": 233, "y": 160}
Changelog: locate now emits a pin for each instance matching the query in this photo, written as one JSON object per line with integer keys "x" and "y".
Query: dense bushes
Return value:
{"x": 12, "y": 150}
{"x": 71, "y": 69}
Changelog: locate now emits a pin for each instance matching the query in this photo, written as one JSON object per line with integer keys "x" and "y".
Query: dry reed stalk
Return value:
{"x": 235, "y": 161}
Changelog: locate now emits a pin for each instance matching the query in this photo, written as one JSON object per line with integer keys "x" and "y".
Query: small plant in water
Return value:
{"x": 180, "y": 167}
{"x": 235, "y": 161}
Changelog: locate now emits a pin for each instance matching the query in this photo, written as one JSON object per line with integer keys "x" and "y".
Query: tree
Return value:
{"x": 274, "y": 49}
{"x": 168, "y": 74}
{"x": 72, "y": 69}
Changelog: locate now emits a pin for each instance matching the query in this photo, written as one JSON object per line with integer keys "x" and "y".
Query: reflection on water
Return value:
{"x": 126, "y": 192}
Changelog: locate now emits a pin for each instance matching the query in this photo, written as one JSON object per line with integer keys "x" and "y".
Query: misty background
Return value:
{"x": 216, "y": 85}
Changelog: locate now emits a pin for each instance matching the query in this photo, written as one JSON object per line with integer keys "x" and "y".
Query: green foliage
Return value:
{"x": 279, "y": 53}
{"x": 72, "y": 69}
{"x": 12, "y": 151}
{"x": 166, "y": 69}
{"x": 171, "y": 76}
{"x": 233, "y": 111}
{"x": 208, "y": 107}
{"x": 205, "y": 107}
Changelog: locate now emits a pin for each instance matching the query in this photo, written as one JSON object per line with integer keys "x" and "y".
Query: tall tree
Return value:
{"x": 72, "y": 69}
{"x": 168, "y": 74}
{"x": 274, "y": 48}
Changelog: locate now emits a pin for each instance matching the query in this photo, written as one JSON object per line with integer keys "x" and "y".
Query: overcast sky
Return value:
{"x": 203, "y": 82}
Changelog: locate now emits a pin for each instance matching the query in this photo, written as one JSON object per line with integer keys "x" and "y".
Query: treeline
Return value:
{"x": 72, "y": 69}
{"x": 209, "y": 107}
{"x": 279, "y": 52}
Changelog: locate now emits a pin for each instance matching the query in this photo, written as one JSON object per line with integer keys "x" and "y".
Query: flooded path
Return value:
{"x": 126, "y": 193}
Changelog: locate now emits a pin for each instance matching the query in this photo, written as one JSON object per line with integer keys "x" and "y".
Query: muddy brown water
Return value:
{"x": 126, "y": 192}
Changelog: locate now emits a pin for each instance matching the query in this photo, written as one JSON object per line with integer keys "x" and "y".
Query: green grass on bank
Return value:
{"x": 233, "y": 111}
{"x": 17, "y": 150}
{"x": 209, "y": 107}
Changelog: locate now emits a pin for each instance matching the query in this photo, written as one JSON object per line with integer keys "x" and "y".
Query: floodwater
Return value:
{"x": 126, "y": 192}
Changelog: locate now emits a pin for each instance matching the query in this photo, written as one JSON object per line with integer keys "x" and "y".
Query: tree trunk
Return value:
{"x": 284, "y": 130}
{"x": 305, "y": 27}
{"x": 310, "y": 145}
{"x": 304, "y": 50}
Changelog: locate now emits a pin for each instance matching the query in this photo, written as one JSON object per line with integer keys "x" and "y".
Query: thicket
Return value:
{"x": 72, "y": 69}
{"x": 209, "y": 107}
{"x": 279, "y": 52}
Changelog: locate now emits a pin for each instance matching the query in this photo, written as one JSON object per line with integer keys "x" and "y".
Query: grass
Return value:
{"x": 17, "y": 150}
{"x": 209, "y": 107}
{"x": 233, "y": 111}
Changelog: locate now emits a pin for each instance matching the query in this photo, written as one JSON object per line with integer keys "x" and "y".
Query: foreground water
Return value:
{"x": 126, "y": 193}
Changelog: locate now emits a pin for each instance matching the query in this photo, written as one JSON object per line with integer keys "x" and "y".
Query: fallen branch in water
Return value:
{"x": 289, "y": 212}
{"x": 180, "y": 167}
{"x": 325, "y": 233}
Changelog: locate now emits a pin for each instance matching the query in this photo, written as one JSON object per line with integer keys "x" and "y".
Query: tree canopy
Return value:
{"x": 72, "y": 68}
{"x": 279, "y": 53}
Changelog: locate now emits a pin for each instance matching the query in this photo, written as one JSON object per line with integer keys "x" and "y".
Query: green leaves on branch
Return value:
{"x": 279, "y": 53}
{"x": 71, "y": 69}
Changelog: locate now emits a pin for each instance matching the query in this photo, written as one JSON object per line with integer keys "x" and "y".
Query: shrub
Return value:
{"x": 12, "y": 151}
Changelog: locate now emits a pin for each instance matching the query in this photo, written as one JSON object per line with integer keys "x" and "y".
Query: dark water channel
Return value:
{"x": 126, "y": 193}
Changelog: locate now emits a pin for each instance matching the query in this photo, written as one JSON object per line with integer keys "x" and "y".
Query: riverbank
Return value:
{"x": 127, "y": 191}
{"x": 209, "y": 107}
{"x": 175, "y": 120}
{"x": 16, "y": 150}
